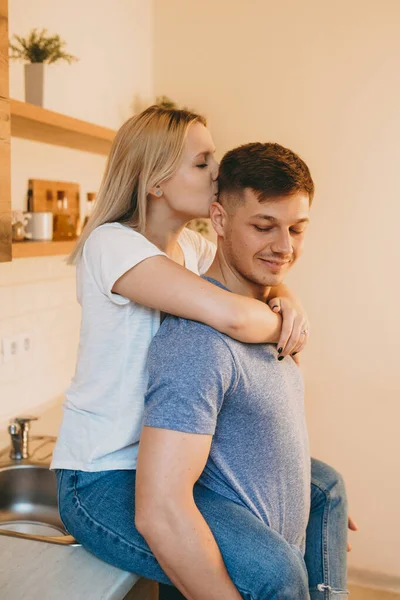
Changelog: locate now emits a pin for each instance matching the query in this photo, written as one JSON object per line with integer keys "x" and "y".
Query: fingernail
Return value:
{"x": 274, "y": 307}
{"x": 280, "y": 350}
{"x": 281, "y": 357}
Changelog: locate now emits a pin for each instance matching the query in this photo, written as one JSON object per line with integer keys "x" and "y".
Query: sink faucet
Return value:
{"x": 19, "y": 432}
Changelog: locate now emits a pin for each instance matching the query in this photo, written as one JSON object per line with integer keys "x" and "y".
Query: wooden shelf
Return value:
{"x": 41, "y": 125}
{"x": 31, "y": 249}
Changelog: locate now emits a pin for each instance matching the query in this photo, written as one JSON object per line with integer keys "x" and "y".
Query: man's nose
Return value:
{"x": 282, "y": 243}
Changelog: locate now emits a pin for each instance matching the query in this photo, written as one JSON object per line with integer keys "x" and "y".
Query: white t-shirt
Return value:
{"x": 103, "y": 411}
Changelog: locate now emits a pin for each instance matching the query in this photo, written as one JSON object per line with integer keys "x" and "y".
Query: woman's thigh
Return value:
{"x": 98, "y": 510}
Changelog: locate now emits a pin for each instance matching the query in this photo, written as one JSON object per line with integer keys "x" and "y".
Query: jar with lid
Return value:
{"x": 64, "y": 222}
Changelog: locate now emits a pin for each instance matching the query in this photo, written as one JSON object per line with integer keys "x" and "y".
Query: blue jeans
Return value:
{"x": 98, "y": 510}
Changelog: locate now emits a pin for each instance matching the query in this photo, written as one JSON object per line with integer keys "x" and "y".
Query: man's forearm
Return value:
{"x": 186, "y": 549}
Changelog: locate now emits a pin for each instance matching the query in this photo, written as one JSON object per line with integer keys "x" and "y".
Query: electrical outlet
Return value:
{"x": 16, "y": 346}
{"x": 25, "y": 343}
{"x": 10, "y": 348}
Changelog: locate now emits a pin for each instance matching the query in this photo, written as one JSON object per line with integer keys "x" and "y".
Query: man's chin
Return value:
{"x": 272, "y": 276}
{"x": 269, "y": 280}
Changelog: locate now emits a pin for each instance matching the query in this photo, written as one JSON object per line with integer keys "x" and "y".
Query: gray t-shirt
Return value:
{"x": 202, "y": 381}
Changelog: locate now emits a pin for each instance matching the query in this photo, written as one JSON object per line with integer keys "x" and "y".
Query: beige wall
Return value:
{"x": 114, "y": 44}
{"x": 324, "y": 79}
{"x": 37, "y": 296}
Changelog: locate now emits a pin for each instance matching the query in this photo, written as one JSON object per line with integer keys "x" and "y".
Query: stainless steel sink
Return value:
{"x": 28, "y": 496}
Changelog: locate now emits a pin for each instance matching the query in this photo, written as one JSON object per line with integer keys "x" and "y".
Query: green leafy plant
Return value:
{"x": 199, "y": 225}
{"x": 39, "y": 47}
{"x": 165, "y": 102}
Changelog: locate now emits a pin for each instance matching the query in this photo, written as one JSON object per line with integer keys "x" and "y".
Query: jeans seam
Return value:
{"x": 59, "y": 489}
{"x": 61, "y": 477}
{"x": 325, "y": 587}
{"x": 106, "y": 529}
{"x": 325, "y": 538}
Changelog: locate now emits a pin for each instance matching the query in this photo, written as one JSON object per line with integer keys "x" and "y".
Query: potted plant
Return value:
{"x": 200, "y": 225}
{"x": 38, "y": 49}
{"x": 166, "y": 102}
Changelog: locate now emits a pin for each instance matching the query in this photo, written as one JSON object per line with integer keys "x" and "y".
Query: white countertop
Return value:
{"x": 32, "y": 570}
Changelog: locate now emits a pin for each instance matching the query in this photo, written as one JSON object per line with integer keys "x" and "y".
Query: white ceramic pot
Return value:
{"x": 34, "y": 83}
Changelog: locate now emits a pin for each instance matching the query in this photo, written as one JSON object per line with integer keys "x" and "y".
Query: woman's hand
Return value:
{"x": 353, "y": 527}
{"x": 295, "y": 326}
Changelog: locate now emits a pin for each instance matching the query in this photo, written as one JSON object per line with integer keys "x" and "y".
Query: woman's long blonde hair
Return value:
{"x": 146, "y": 150}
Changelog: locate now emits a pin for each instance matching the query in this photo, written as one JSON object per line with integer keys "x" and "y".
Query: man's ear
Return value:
{"x": 218, "y": 216}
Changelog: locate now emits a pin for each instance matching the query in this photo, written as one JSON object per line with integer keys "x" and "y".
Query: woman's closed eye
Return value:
{"x": 202, "y": 165}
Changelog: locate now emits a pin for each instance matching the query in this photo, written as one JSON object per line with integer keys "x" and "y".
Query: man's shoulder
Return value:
{"x": 185, "y": 328}
{"x": 185, "y": 337}
{"x": 187, "y": 353}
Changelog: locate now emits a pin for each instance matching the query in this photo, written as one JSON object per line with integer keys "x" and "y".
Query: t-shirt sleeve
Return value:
{"x": 206, "y": 254}
{"x": 204, "y": 249}
{"x": 191, "y": 372}
{"x": 110, "y": 251}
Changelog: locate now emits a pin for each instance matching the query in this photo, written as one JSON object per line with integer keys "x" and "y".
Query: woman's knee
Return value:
{"x": 329, "y": 481}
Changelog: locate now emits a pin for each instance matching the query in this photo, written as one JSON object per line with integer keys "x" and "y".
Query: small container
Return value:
{"x": 64, "y": 223}
{"x": 18, "y": 232}
{"x": 39, "y": 226}
{"x": 90, "y": 200}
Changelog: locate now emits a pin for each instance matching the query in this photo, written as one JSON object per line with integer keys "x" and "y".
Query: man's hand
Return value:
{"x": 295, "y": 326}
{"x": 352, "y": 527}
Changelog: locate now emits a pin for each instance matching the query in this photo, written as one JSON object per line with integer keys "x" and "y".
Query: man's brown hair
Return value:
{"x": 270, "y": 170}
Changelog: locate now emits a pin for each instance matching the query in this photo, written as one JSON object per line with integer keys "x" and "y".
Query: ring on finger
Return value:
{"x": 304, "y": 331}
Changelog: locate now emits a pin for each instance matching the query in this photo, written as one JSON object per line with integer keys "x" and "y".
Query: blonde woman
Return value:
{"x": 136, "y": 259}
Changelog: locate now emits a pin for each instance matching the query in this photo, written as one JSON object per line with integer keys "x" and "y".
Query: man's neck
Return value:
{"x": 223, "y": 272}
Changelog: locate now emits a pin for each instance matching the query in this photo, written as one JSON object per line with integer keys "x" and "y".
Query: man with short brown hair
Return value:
{"x": 223, "y": 482}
